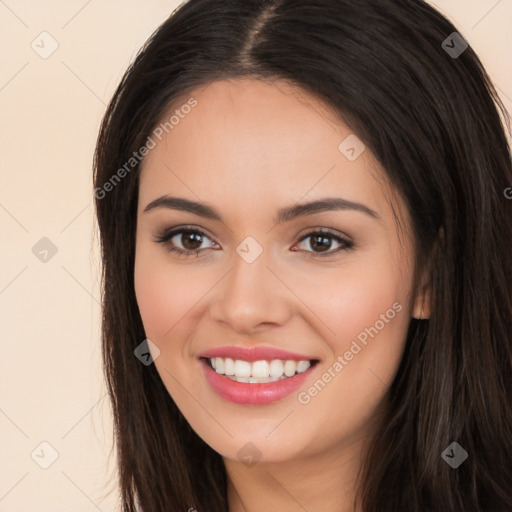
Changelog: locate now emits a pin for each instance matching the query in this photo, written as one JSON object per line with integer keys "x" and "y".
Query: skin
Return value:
{"x": 248, "y": 148}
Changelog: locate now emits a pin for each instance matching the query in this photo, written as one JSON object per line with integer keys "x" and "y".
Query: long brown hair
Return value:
{"x": 432, "y": 118}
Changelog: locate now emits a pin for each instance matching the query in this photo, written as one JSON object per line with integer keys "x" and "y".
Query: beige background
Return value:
{"x": 51, "y": 379}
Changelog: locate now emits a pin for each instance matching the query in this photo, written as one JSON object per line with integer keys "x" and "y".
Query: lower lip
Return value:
{"x": 253, "y": 394}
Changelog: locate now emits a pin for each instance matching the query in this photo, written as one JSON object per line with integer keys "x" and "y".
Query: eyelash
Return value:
{"x": 164, "y": 237}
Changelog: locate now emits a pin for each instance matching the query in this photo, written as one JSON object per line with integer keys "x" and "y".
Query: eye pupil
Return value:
{"x": 321, "y": 242}
{"x": 194, "y": 238}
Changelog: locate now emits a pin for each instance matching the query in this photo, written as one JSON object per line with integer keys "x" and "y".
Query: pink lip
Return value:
{"x": 253, "y": 394}
{"x": 255, "y": 354}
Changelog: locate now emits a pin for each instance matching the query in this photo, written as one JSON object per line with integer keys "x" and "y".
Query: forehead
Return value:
{"x": 257, "y": 142}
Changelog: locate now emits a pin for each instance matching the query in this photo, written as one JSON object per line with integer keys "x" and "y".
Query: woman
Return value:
{"x": 306, "y": 242}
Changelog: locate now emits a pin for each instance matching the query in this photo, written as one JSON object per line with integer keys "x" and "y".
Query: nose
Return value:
{"x": 251, "y": 297}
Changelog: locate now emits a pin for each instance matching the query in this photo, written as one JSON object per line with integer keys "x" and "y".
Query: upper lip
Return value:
{"x": 257, "y": 353}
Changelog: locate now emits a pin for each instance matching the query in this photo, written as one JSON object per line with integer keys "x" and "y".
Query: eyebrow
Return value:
{"x": 283, "y": 214}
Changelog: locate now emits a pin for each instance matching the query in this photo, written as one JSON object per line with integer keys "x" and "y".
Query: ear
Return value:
{"x": 423, "y": 302}
{"x": 422, "y": 308}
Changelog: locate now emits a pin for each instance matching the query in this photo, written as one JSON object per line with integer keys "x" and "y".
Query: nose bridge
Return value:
{"x": 250, "y": 294}
{"x": 249, "y": 272}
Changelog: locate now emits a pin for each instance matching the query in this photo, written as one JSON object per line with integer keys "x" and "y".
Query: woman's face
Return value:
{"x": 338, "y": 303}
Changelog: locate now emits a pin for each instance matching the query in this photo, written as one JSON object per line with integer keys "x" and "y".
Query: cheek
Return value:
{"x": 355, "y": 297}
{"x": 163, "y": 296}
{"x": 367, "y": 312}
{"x": 154, "y": 299}
{"x": 365, "y": 308}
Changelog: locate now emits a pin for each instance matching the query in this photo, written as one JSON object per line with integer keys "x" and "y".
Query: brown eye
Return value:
{"x": 321, "y": 242}
{"x": 183, "y": 241}
{"x": 190, "y": 240}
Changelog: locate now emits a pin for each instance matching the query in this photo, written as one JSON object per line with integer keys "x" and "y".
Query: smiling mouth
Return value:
{"x": 258, "y": 372}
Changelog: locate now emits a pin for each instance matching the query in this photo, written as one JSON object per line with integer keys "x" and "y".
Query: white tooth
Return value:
{"x": 260, "y": 369}
{"x": 276, "y": 368}
{"x": 229, "y": 366}
{"x": 302, "y": 366}
{"x": 212, "y": 361}
{"x": 253, "y": 380}
{"x": 289, "y": 368}
{"x": 219, "y": 365}
{"x": 242, "y": 379}
{"x": 242, "y": 368}
{"x": 264, "y": 380}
